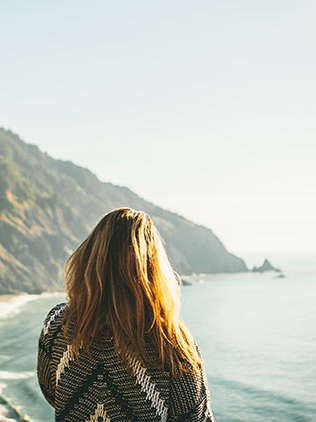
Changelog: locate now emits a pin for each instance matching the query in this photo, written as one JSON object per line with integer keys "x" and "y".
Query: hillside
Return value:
{"x": 48, "y": 206}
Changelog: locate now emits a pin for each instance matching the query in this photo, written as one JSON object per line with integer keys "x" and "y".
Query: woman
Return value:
{"x": 117, "y": 350}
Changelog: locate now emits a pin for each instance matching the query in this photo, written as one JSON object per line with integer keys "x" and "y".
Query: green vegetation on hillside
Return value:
{"x": 48, "y": 206}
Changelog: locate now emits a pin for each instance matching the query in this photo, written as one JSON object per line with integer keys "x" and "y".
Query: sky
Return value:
{"x": 206, "y": 108}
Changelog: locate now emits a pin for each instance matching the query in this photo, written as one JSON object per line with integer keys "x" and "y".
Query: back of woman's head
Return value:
{"x": 119, "y": 281}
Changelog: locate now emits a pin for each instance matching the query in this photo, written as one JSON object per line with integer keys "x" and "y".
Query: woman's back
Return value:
{"x": 149, "y": 368}
{"x": 101, "y": 387}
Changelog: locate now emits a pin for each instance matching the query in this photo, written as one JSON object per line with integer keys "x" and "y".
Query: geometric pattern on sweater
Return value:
{"x": 149, "y": 387}
{"x": 102, "y": 387}
{"x": 97, "y": 381}
{"x": 56, "y": 312}
{"x": 99, "y": 415}
{"x": 63, "y": 363}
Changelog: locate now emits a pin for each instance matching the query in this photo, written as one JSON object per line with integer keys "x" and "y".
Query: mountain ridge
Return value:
{"x": 48, "y": 206}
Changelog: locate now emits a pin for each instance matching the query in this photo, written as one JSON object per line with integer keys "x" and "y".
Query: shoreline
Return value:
{"x": 5, "y": 298}
{"x": 11, "y": 303}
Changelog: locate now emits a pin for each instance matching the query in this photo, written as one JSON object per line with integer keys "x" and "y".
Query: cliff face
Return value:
{"x": 48, "y": 206}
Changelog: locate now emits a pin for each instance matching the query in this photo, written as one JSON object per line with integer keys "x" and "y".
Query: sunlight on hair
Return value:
{"x": 169, "y": 275}
{"x": 120, "y": 283}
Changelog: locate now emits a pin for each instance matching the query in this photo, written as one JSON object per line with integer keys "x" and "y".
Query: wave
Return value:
{"x": 13, "y": 306}
{"x": 5, "y": 375}
{"x": 9, "y": 412}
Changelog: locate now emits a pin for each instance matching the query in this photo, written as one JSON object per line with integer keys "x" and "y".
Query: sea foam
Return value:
{"x": 6, "y": 375}
{"x": 13, "y": 306}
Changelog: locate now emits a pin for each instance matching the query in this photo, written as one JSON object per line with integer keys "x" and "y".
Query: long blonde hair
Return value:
{"x": 119, "y": 279}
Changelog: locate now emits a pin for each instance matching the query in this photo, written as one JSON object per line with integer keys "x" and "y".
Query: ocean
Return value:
{"x": 257, "y": 334}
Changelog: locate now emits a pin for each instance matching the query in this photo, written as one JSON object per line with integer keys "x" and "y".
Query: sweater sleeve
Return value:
{"x": 190, "y": 397}
{"x": 202, "y": 412}
{"x": 205, "y": 405}
{"x": 44, "y": 368}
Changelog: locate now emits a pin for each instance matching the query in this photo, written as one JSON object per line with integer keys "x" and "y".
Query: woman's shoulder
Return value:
{"x": 54, "y": 317}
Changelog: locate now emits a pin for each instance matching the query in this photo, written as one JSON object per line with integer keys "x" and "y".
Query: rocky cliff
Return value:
{"x": 48, "y": 206}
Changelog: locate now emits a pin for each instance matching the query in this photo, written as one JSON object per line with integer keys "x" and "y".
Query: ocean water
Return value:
{"x": 257, "y": 334}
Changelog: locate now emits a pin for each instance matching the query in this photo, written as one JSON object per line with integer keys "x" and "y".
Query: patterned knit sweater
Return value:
{"x": 103, "y": 388}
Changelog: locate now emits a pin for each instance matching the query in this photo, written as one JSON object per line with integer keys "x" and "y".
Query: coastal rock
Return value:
{"x": 186, "y": 282}
{"x": 266, "y": 266}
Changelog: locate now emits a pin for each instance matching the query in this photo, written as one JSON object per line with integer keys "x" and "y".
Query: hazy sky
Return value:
{"x": 206, "y": 108}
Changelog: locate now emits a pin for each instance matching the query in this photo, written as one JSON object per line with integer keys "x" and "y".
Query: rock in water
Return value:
{"x": 186, "y": 282}
{"x": 266, "y": 266}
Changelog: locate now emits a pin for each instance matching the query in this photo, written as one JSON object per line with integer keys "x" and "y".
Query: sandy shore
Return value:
{"x": 8, "y": 298}
{"x": 10, "y": 304}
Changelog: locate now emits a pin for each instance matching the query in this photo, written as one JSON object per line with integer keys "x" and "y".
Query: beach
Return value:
{"x": 10, "y": 303}
{"x": 8, "y": 298}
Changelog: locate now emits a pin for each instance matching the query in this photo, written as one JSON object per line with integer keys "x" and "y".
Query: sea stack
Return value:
{"x": 266, "y": 266}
